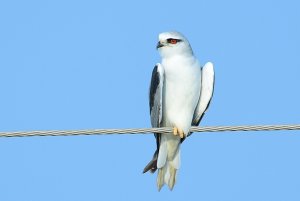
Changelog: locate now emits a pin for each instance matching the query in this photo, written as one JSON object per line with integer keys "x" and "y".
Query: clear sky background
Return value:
{"x": 87, "y": 64}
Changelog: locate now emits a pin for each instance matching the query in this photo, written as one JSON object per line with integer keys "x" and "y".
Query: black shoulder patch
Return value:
{"x": 155, "y": 79}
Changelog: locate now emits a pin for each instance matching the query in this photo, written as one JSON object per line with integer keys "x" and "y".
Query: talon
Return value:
{"x": 181, "y": 133}
{"x": 175, "y": 131}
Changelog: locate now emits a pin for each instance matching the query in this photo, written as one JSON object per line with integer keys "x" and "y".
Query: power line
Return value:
{"x": 148, "y": 130}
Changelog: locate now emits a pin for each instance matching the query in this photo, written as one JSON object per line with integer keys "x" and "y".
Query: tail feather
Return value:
{"x": 176, "y": 162}
{"x": 160, "y": 178}
{"x": 167, "y": 160}
{"x": 172, "y": 179}
{"x": 166, "y": 175}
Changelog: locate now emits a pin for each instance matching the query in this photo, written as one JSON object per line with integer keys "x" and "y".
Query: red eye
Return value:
{"x": 173, "y": 41}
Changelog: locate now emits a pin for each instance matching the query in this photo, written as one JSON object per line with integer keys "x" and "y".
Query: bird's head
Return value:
{"x": 173, "y": 43}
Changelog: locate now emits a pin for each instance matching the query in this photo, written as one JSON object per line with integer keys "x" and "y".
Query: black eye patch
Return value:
{"x": 173, "y": 40}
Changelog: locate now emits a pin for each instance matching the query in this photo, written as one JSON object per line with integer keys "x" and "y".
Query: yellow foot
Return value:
{"x": 179, "y": 131}
{"x": 175, "y": 131}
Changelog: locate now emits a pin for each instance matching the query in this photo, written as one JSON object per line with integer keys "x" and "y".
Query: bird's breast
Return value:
{"x": 181, "y": 91}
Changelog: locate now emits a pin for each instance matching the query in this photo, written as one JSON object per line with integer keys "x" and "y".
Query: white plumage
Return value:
{"x": 178, "y": 99}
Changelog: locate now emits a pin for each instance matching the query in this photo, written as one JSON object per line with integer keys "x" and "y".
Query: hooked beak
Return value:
{"x": 159, "y": 45}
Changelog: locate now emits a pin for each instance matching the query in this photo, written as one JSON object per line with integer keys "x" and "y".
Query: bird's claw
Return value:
{"x": 175, "y": 131}
{"x": 179, "y": 131}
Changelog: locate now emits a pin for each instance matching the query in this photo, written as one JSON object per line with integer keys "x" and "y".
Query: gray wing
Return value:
{"x": 155, "y": 95}
{"x": 155, "y": 103}
{"x": 207, "y": 89}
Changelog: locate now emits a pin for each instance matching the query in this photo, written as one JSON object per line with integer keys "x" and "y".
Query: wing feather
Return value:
{"x": 207, "y": 89}
{"x": 155, "y": 103}
{"x": 155, "y": 95}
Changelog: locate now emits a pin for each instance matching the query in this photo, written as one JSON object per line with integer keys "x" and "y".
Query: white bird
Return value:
{"x": 180, "y": 93}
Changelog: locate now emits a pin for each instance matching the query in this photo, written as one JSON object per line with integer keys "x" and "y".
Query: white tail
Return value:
{"x": 168, "y": 161}
{"x": 166, "y": 175}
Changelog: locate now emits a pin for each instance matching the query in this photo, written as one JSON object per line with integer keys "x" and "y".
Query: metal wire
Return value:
{"x": 148, "y": 130}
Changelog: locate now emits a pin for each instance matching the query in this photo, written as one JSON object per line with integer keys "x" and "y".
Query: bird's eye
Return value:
{"x": 172, "y": 40}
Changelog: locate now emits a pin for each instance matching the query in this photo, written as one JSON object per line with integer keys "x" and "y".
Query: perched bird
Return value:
{"x": 180, "y": 93}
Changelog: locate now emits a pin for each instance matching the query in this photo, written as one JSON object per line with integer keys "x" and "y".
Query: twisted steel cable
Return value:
{"x": 148, "y": 130}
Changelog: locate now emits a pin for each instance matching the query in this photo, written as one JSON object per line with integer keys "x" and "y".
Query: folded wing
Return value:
{"x": 155, "y": 95}
{"x": 155, "y": 103}
{"x": 207, "y": 89}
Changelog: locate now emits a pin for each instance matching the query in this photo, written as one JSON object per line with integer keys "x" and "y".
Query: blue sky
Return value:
{"x": 87, "y": 64}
